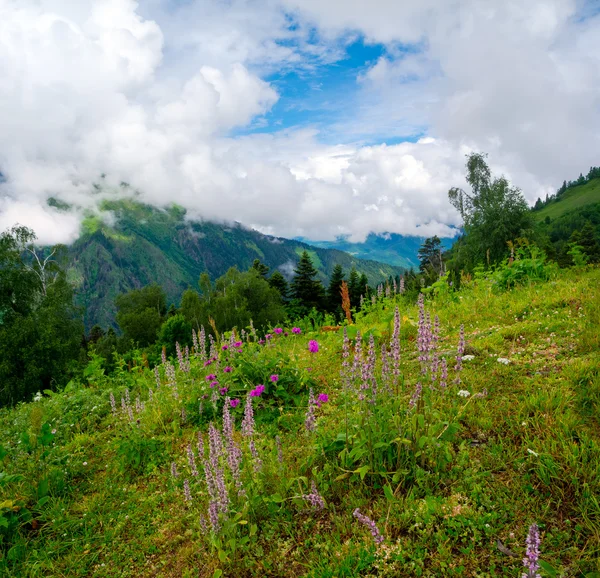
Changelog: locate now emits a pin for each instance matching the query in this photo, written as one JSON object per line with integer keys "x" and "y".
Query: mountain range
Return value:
{"x": 127, "y": 244}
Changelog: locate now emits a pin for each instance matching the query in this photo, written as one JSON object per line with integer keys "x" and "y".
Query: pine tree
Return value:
{"x": 334, "y": 299}
{"x": 430, "y": 256}
{"x": 308, "y": 290}
{"x": 364, "y": 285}
{"x": 354, "y": 288}
{"x": 260, "y": 267}
{"x": 586, "y": 239}
{"x": 277, "y": 281}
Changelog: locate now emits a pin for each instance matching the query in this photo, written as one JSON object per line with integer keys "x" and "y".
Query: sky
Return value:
{"x": 306, "y": 118}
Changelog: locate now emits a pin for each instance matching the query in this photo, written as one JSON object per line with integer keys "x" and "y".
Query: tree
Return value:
{"x": 40, "y": 328}
{"x": 586, "y": 239}
{"x": 430, "y": 257}
{"x": 140, "y": 313}
{"x": 277, "y": 281}
{"x": 354, "y": 288}
{"x": 308, "y": 290}
{"x": 493, "y": 213}
{"x": 260, "y": 267}
{"x": 175, "y": 329}
{"x": 334, "y": 299}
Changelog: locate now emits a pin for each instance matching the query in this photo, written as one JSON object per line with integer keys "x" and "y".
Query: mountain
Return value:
{"x": 574, "y": 198}
{"x": 389, "y": 248}
{"x": 129, "y": 244}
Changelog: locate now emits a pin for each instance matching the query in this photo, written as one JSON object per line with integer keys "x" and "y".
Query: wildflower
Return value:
{"x": 314, "y": 498}
{"x": 113, "y": 403}
{"x": 157, "y": 376}
{"x": 459, "y": 353}
{"x": 468, "y": 357}
{"x": 225, "y": 347}
{"x": 322, "y": 398}
{"x": 366, "y": 521}
{"x": 395, "y": 344}
{"x": 238, "y": 344}
{"x": 533, "y": 453}
{"x": 234, "y": 402}
{"x": 261, "y": 341}
{"x": 257, "y": 391}
{"x": 223, "y": 390}
{"x": 53, "y": 431}
{"x": 208, "y": 362}
{"x": 192, "y": 460}
{"x": 234, "y": 453}
{"x": 210, "y": 377}
{"x": 313, "y": 346}
{"x": 296, "y": 330}
{"x": 186, "y": 491}
{"x": 416, "y": 396}
{"x": 268, "y": 336}
{"x": 85, "y": 463}
{"x": 532, "y": 554}
{"x": 248, "y": 421}
{"x": 214, "y": 383}
{"x": 278, "y": 330}
{"x": 274, "y": 378}
{"x": 463, "y": 393}
{"x": 227, "y": 369}
{"x": 503, "y": 360}
{"x": 174, "y": 469}
{"x": 310, "y": 420}
{"x": 444, "y": 373}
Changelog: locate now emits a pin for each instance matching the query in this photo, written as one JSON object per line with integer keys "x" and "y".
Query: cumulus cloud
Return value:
{"x": 153, "y": 93}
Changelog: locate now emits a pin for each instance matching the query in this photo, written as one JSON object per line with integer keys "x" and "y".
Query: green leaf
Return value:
{"x": 222, "y": 556}
{"x": 43, "y": 501}
{"x": 276, "y": 498}
{"x": 552, "y": 572}
{"x": 363, "y": 471}
{"x": 218, "y": 573}
{"x": 3, "y": 453}
{"x": 388, "y": 493}
{"x": 253, "y": 529}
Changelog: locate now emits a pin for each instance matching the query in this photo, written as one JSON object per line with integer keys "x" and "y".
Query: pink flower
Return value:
{"x": 234, "y": 402}
{"x": 238, "y": 344}
{"x": 210, "y": 377}
{"x": 256, "y": 392}
{"x": 323, "y": 398}
{"x": 268, "y": 336}
{"x": 278, "y": 330}
{"x": 223, "y": 391}
{"x": 296, "y": 330}
{"x": 207, "y": 363}
{"x": 261, "y": 341}
{"x": 225, "y": 347}
{"x": 274, "y": 378}
{"x": 313, "y": 346}
{"x": 227, "y": 369}
{"x": 214, "y": 383}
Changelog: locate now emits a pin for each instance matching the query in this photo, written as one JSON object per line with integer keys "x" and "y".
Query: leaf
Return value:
{"x": 450, "y": 432}
{"x": 3, "y": 522}
{"x": 3, "y": 453}
{"x": 552, "y": 572}
{"x": 222, "y": 556}
{"x": 276, "y": 498}
{"x": 342, "y": 476}
{"x": 253, "y": 529}
{"x": 218, "y": 573}
{"x": 363, "y": 471}
{"x": 43, "y": 501}
{"x": 388, "y": 493}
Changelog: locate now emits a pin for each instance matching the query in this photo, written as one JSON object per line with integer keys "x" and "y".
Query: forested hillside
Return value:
{"x": 144, "y": 245}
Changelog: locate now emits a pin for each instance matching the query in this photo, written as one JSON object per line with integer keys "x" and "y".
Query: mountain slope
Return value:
{"x": 143, "y": 244}
{"x": 390, "y": 248}
{"x": 573, "y": 199}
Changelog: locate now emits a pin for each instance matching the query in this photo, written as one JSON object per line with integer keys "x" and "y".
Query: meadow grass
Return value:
{"x": 452, "y": 484}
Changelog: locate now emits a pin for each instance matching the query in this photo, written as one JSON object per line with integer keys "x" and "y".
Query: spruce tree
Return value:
{"x": 308, "y": 290}
{"x": 354, "y": 287}
{"x": 277, "y": 281}
{"x": 260, "y": 267}
{"x": 334, "y": 299}
{"x": 586, "y": 239}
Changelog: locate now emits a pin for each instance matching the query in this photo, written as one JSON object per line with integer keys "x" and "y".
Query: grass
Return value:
{"x": 527, "y": 452}
{"x": 574, "y": 198}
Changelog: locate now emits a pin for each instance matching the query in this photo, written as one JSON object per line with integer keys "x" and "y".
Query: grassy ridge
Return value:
{"x": 527, "y": 452}
{"x": 572, "y": 199}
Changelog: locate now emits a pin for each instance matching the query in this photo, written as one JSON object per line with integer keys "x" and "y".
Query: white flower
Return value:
{"x": 503, "y": 360}
{"x": 468, "y": 357}
{"x": 85, "y": 463}
{"x": 533, "y": 453}
{"x": 38, "y": 396}
{"x": 463, "y": 393}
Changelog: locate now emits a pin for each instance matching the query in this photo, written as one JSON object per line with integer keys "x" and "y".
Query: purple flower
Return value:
{"x": 207, "y": 363}
{"x": 186, "y": 491}
{"x": 322, "y": 398}
{"x": 225, "y": 347}
{"x": 210, "y": 377}
{"x": 310, "y": 421}
{"x": 223, "y": 391}
{"x": 278, "y": 330}
{"x": 238, "y": 344}
{"x": 234, "y": 402}
{"x": 227, "y": 369}
{"x": 532, "y": 554}
{"x": 268, "y": 336}
{"x": 257, "y": 391}
{"x": 296, "y": 330}
{"x": 261, "y": 341}
{"x": 214, "y": 383}
{"x": 313, "y": 346}
{"x": 314, "y": 498}
{"x": 366, "y": 521}
{"x": 274, "y": 378}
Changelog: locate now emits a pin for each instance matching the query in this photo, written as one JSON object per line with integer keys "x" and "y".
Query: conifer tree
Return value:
{"x": 308, "y": 290}
{"x": 586, "y": 239}
{"x": 260, "y": 267}
{"x": 277, "y": 281}
{"x": 334, "y": 299}
{"x": 354, "y": 288}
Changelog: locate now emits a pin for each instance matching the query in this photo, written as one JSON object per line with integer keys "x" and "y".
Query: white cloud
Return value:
{"x": 150, "y": 93}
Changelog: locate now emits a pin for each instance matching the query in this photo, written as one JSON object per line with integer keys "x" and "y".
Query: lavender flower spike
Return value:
{"x": 314, "y": 498}
{"x": 532, "y": 555}
{"x": 366, "y": 521}
{"x": 310, "y": 420}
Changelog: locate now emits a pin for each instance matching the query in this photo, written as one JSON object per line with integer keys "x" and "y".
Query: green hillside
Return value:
{"x": 143, "y": 244}
{"x": 573, "y": 199}
{"x": 144, "y": 475}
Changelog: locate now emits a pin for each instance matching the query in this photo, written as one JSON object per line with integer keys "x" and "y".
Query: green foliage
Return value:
{"x": 305, "y": 287}
{"x": 528, "y": 265}
{"x": 140, "y": 314}
{"x": 334, "y": 298}
{"x": 175, "y": 330}
{"x": 494, "y": 213}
